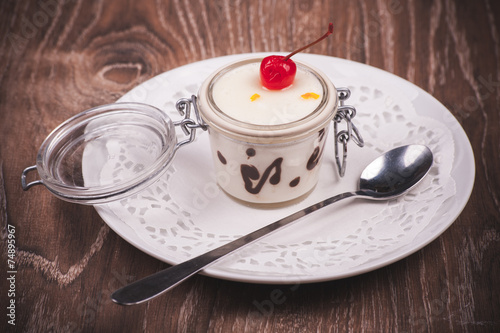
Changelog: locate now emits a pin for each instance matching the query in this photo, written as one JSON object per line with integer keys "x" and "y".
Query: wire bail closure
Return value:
{"x": 188, "y": 125}
{"x": 345, "y": 113}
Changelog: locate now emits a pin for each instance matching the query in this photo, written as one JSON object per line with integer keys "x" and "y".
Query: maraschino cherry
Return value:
{"x": 278, "y": 72}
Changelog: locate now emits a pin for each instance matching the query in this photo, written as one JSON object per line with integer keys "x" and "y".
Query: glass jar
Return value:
{"x": 272, "y": 163}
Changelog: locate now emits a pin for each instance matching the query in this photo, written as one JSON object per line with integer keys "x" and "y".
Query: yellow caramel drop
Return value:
{"x": 310, "y": 95}
{"x": 254, "y": 97}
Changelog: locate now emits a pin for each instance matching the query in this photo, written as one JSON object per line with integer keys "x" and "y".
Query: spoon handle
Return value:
{"x": 158, "y": 283}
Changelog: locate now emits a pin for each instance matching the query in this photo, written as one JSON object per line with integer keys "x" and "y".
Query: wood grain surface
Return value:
{"x": 60, "y": 57}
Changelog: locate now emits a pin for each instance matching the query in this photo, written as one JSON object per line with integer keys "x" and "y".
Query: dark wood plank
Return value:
{"x": 58, "y": 58}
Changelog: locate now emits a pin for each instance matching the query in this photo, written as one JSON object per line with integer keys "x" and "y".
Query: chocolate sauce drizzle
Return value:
{"x": 316, "y": 155}
{"x": 314, "y": 159}
{"x": 295, "y": 182}
{"x": 250, "y": 172}
{"x": 250, "y": 152}
{"x": 321, "y": 134}
{"x": 221, "y": 157}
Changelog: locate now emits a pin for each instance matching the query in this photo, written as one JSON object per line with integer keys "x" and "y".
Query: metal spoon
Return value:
{"x": 387, "y": 177}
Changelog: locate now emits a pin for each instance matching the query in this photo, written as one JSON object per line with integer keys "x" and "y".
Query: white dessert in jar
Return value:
{"x": 267, "y": 145}
{"x": 240, "y": 94}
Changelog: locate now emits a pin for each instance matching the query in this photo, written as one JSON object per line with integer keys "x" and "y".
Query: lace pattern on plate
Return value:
{"x": 185, "y": 214}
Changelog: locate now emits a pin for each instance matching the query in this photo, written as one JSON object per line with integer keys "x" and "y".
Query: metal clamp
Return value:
{"x": 347, "y": 113}
{"x": 188, "y": 125}
{"x": 26, "y": 186}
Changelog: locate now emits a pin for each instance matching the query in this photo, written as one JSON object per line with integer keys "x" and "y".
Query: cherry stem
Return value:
{"x": 328, "y": 33}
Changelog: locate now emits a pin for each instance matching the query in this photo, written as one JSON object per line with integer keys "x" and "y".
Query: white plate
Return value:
{"x": 185, "y": 214}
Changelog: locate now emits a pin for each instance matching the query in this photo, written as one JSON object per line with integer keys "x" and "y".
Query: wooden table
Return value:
{"x": 61, "y": 57}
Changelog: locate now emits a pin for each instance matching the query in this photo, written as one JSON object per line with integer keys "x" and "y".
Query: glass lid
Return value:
{"x": 106, "y": 153}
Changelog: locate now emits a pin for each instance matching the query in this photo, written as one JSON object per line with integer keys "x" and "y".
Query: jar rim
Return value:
{"x": 219, "y": 121}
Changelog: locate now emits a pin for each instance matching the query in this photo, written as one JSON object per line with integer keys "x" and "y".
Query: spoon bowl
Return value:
{"x": 396, "y": 172}
{"x": 387, "y": 177}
